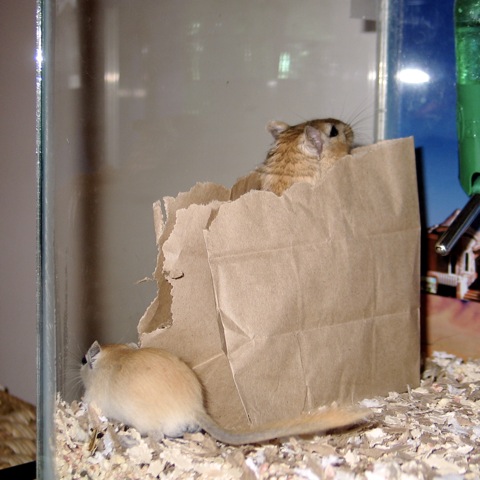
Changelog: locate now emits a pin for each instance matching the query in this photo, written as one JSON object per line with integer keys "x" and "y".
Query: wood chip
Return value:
{"x": 431, "y": 432}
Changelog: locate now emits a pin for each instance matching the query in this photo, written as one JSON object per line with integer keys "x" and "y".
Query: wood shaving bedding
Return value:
{"x": 431, "y": 432}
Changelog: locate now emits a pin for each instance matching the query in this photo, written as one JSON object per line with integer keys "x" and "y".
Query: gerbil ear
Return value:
{"x": 276, "y": 128}
{"x": 314, "y": 137}
{"x": 92, "y": 354}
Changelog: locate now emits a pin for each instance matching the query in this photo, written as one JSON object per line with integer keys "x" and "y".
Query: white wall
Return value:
{"x": 17, "y": 198}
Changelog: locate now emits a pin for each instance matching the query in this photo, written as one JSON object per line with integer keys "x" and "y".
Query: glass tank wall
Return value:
{"x": 141, "y": 100}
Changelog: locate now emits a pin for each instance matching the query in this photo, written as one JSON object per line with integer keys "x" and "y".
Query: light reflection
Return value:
{"x": 413, "y": 76}
{"x": 284, "y": 65}
{"x": 132, "y": 93}
{"x": 194, "y": 28}
{"x": 112, "y": 77}
{"x": 39, "y": 58}
{"x": 74, "y": 81}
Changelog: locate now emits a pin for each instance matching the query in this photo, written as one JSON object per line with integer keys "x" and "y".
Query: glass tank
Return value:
{"x": 141, "y": 100}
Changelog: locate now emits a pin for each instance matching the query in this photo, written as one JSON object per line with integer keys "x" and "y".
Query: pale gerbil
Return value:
{"x": 303, "y": 152}
{"x": 157, "y": 393}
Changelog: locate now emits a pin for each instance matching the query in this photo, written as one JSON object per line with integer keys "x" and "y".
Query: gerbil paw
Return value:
{"x": 192, "y": 428}
{"x": 180, "y": 430}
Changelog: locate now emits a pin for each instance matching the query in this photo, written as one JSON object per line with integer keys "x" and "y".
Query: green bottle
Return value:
{"x": 467, "y": 50}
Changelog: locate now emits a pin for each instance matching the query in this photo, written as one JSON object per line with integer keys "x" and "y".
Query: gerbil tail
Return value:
{"x": 317, "y": 421}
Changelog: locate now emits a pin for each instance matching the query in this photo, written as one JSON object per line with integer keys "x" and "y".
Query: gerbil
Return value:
{"x": 155, "y": 392}
{"x": 303, "y": 152}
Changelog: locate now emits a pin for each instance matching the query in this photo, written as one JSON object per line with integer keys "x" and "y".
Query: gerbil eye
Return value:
{"x": 84, "y": 360}
{"x": 333, "y": 131}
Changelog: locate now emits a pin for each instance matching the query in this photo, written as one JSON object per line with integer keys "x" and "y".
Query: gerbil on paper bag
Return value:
{"x": 303, "y": 152}
{"x": 284, "y": 303}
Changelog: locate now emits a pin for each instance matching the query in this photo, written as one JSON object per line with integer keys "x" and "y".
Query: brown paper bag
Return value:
{"x": 283, "y": 304}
